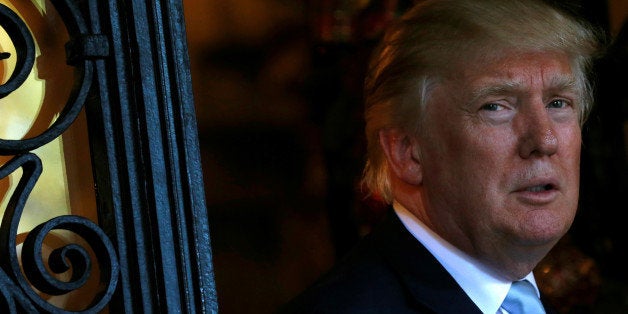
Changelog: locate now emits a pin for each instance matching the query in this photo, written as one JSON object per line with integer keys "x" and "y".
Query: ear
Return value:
{"x": 402, "y": 152}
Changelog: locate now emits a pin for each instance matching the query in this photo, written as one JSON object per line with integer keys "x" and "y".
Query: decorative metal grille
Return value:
{"x": 17, "y": 293}
{"x": 152, "y": 243}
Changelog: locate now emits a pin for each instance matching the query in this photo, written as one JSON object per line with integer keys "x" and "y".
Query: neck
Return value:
{"x": 515, "y": 263}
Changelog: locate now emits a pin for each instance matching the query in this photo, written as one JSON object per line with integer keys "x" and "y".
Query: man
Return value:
{"x": 474, "y": 111}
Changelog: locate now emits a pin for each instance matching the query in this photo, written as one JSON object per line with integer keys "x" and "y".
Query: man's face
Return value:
{"x": 501, "y": 152}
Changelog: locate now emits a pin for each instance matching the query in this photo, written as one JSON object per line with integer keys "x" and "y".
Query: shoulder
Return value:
{"x": 355, "y": 285}
{"x": 362, "y": 282}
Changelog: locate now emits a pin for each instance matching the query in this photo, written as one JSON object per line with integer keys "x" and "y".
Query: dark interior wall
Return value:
{"x": 599, "y": 227}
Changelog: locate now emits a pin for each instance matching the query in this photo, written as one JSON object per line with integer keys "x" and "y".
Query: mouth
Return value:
{"x": 540, "y": 193}
{"x": 540, "y": 188}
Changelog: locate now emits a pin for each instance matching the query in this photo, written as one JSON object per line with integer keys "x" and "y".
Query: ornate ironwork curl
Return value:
{"x": 37, "y": 273}
{"x": 61, "y": 259}
{"x": 79, "y": 260}
{"x": 25, "y": 49}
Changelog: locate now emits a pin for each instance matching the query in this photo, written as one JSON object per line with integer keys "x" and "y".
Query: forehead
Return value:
{"x": 519, "y": 73}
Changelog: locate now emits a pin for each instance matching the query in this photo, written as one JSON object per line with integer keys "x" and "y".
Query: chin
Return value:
{"x": 544, "y": 229}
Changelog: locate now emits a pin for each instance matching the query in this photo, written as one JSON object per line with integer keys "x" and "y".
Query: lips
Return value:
{"x": 540, "y": 188}
{"x": 538, "y": 192}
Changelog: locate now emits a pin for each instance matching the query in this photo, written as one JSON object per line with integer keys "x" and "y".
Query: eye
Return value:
{"x": 558, "y": 103}
{"x": 492, "y": 107}
{"x": 496, "y": 112}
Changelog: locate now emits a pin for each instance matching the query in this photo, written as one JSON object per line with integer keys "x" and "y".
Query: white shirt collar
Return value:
{"x": 484, "y": 288}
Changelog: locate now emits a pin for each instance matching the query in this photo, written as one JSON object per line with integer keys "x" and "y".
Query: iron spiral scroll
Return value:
{"x": 20, "y": 279}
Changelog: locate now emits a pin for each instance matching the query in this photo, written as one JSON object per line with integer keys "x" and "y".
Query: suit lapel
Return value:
{"x": 425, "y": 278}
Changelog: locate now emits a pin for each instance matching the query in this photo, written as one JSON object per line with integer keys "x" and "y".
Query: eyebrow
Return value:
{"x": 558, "y": 83}
{"x": 565, "y": 83}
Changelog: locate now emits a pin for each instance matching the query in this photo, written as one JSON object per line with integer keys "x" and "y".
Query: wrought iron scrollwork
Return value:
{"x": 25, "y": 49}
{"x": 20, "y": 279}
{"x": 60, "y": 260}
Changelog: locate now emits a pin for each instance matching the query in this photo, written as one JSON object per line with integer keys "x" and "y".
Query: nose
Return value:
{"x": 538, "y": 137}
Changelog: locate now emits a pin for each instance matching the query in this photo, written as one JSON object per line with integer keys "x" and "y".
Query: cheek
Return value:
{"x": 570, "y": 148}
{"x": 470, "y": 165}
{"x": 487, "y": 150}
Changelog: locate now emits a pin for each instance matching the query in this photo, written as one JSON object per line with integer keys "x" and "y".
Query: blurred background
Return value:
{"x": 278, "y": 87}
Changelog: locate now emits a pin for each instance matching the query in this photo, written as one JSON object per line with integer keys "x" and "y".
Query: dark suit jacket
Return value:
{"x": 389, "y": 271}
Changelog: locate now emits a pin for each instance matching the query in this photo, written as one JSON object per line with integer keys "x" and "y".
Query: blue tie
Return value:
{"x": 522, "y": 299}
